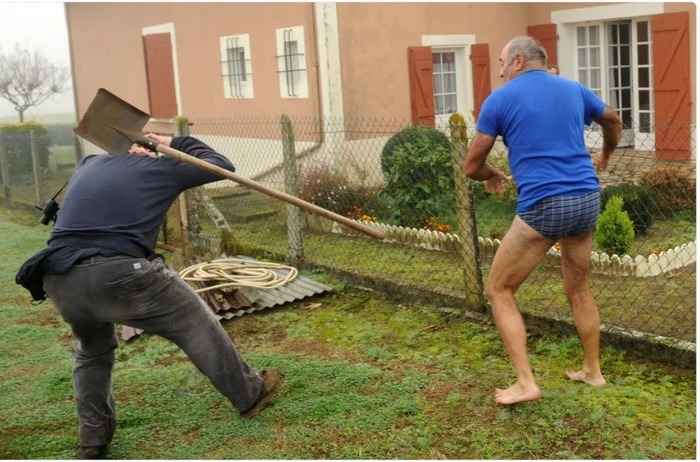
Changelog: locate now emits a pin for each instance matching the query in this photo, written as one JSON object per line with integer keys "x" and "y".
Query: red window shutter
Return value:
{"x": 671, "y": 60}
{"x": 481, "y": 73}
{"x": 160, "y": 75}
{"x": 420, "y": 69}
{"x": 546, "y": 34}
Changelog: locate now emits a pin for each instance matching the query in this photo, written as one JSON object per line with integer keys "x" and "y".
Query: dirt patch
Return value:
{"x": 439, "y": 391}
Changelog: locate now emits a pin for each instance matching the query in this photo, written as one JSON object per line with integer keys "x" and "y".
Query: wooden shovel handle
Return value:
{"x": 181, "y": 156}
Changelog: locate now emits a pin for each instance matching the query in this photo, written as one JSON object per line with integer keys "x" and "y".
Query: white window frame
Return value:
{"x": 568, "y": 20}
{"x": 461, "y": 46}
{"x": 244, "y": 89}
{"x": 632, "y": 136}
{"x": 300, "y": 87}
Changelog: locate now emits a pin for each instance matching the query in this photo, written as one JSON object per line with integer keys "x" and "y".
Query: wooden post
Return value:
{"x": 466, "y": 217}
{"x": 36, "y": 165}
{"x": 291, "y": 184}
{"x": 181, "y": 127}
{"x": 5, "y": 167}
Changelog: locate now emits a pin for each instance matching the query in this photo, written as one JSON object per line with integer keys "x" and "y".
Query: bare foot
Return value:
{"x": 596, "y": 380}
{"x": 517, "y": 394}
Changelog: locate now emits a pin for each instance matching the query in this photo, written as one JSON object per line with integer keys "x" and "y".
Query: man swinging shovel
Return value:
{"x": 100, "y": 268}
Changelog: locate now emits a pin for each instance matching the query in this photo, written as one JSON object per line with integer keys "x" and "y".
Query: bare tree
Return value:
{"x": 28, "y": 78}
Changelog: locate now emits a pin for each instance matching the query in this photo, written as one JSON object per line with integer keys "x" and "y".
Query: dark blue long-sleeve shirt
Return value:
{"x": 119, "y": 202}
{"x": 115, "y": 205}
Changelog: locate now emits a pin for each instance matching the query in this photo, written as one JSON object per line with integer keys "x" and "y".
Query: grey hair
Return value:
{"x": 529, "y": 48}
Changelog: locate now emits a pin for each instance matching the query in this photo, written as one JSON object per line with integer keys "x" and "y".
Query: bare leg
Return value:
{"x": 519, "y": 253}
{"x": 575, "y": 264}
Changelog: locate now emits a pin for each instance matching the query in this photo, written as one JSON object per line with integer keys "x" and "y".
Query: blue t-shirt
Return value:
{"x": 540, "y": 118}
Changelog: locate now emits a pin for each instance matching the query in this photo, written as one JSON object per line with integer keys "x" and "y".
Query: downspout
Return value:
{"x": 76, "y": 141}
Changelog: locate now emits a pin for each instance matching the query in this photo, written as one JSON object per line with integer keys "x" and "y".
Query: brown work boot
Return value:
{"x": 271, "y": 381}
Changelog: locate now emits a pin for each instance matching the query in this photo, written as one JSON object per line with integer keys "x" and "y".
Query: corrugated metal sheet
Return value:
{"x": 246, "y": 300}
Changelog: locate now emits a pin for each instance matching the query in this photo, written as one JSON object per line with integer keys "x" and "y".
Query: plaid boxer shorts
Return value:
{"x": 562, "y": 216}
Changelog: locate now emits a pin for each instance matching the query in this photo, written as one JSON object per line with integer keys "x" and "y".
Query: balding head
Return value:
{"x": 520, "y": 55}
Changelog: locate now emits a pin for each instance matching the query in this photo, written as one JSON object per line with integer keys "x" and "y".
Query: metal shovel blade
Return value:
{"x": 105, "y": 111}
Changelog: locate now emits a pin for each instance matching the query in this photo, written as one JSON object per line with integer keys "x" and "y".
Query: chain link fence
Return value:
{"x": 443, "y": 229}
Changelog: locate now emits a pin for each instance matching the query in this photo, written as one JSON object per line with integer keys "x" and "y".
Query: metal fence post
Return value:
{"x": 466, "y": 217}
{"x": 5, "y": 167}
{"x": 291, "y": 184}
{"x": 36, "y": 165}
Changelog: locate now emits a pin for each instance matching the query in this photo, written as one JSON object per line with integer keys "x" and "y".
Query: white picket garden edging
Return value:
{"x": 639, "y": 266}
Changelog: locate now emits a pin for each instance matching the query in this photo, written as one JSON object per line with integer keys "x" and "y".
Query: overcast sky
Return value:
{"x": 37, "y": 25}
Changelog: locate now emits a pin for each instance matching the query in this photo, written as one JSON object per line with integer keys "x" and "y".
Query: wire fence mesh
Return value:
{"x": 407, "y": 180}
{"x": 442, "y": 229}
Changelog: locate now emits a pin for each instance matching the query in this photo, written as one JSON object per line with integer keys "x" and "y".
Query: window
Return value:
{"x": 445, "y": 82}
{"x": 291, "y": 63}
{"x": 236, "y": 67}
{"x": 613, "y": 59}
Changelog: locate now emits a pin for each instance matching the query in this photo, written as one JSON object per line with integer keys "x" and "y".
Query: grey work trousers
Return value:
{"x": 98, "y": 292}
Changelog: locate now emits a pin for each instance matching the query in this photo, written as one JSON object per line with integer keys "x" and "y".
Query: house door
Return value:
{"x": 160, "y": 75}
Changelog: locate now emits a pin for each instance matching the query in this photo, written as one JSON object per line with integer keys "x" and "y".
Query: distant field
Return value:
{"x": 43, "y": 118}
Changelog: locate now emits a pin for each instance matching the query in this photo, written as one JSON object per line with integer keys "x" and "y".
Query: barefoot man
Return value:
{"x": 541, "y": 119}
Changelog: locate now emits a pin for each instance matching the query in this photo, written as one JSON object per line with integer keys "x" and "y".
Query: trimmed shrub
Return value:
{"x": 615, "y": 231}
{"x": 638, "y": 203}
{"x": 419, "y": 180}
{"x": 671, "y": 190}
{"x": 411, "y": 135}
{"x": 18, "y": 148}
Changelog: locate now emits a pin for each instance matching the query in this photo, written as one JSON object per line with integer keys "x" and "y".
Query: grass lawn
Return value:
{"x": 365, "y": 379}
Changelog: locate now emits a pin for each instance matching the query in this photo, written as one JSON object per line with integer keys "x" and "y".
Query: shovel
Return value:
{"x": 114, "y": 125}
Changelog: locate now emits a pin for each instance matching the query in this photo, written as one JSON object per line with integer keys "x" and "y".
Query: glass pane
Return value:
{"x": 451, "y": 104}
{"x": 595, "y": 57}
{"x": 645, "y": 122}
{"x": 627, "y": 119}
{"x": 625, "y": 73}
{"x": 437, "y": 66}
{"x": 612, "y": 34}
{"x": 613, "y": 101}
{"x": 581, "y": 36}
{"x": 612, "y": 56}
{"x": 624, "y": 33}
{"x": 595, "y": 78}
{"x": 642, "y": 31}
{"x": 643, "y": 54}
{"x": 625, "y": 55}
{"x": 582, "y": 61}
{"x": 644, "y": 100}
{"x": 439, "y": 107}
{"x": 626, "y": 98}
{"x": 614, "y": 78}
{"x": 450, "y": 82}
{"x": 448, "y": 62}
{"x": 593, "y": 35}
{"x": 643, "y": 73}
{"x": 437, "y": 84}
{"x": 583, "y": 77}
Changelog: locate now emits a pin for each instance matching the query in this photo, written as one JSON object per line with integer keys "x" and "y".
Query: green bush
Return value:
{"x": 410, "y": 135}
{"x": 419, "y": 180}
{"x": 60, "y": 134}
{"x": 16, "y": 142}
{"x": 671, "y": 190}
{"x": 615, "y": 231}
{"x": 638, "y": 203}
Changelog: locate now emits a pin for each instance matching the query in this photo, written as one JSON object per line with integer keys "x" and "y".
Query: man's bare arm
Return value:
{"x": 475, "y": 166}
{"x": 612, "y": 130}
